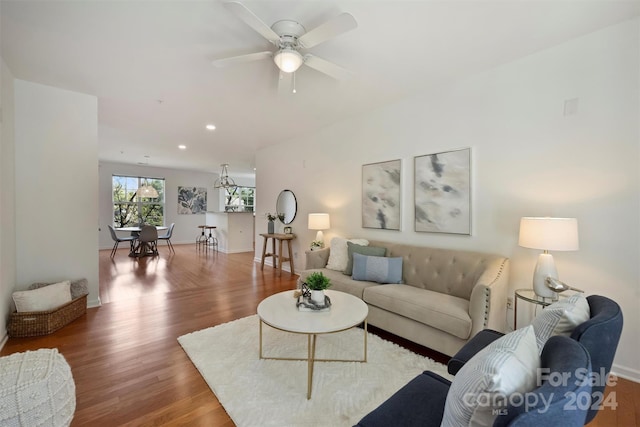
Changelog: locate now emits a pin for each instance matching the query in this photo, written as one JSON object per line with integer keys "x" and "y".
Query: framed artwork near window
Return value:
{"x": 192, "y": 200}
{"x": 381, "y": 189}
{"x": 442, "y": 192}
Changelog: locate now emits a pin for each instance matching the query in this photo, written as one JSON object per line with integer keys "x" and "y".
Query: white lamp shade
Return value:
{"x": 288, "y": 60}
{"x": 319, "y": 221}
{"x": 549, "y": 234}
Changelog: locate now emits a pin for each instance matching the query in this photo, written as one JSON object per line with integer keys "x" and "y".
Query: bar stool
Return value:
{"x": 211, "y": 241}
{"x": 202, "y": 238}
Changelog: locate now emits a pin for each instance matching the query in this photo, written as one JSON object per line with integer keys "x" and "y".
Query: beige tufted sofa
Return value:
{"x": 447, "y": 296}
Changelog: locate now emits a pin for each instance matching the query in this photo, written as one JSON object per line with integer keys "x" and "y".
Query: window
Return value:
{"x": 131, "y": 208}
{"x": 239, "y": 199}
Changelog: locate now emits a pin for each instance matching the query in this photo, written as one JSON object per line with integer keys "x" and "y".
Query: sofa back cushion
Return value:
{"x": 448, "y": 271}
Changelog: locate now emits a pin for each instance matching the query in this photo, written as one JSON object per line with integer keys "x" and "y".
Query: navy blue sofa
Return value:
{"x": 420, "y": 403}
{"x": 599, "y": 335}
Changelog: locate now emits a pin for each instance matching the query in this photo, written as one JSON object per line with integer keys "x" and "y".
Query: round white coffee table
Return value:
{"x": 280, "y": 312}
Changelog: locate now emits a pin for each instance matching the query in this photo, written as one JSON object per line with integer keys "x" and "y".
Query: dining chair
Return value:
{"x": 167, "y": 236}
{"x": 118, "y": 239}
{"x": 148, "y": 239}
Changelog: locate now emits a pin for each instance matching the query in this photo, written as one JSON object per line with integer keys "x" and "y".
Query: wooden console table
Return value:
{"x": 278, "y": 257}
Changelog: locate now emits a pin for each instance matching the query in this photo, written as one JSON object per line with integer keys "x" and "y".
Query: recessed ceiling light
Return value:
{"x": 211, "y": 127}
{"x": 182, "y": 147}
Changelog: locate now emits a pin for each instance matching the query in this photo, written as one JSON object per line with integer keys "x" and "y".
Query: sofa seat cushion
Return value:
{"x": 340, "y": 282}
{"x": 444, "y": 312}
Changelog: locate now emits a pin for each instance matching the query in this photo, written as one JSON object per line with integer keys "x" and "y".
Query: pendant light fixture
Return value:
{"x": 147, "y": 190}
{"x": 224, "y": 181}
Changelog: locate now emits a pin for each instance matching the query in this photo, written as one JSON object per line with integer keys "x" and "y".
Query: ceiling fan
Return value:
{"x": 290, "y": 37}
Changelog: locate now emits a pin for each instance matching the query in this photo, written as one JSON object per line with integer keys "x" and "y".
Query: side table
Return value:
{"x": 529, "y": 295}
{"x": 278, "y": 257}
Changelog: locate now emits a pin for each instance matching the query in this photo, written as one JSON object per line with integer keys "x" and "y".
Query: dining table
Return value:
{"x": 139, "y": 249}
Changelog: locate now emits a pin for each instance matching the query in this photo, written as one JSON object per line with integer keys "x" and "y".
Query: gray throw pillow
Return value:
{"x": 377, "y": 269}
{"x": 359, "y": 249}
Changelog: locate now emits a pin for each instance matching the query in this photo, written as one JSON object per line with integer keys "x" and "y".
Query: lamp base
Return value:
{"x": 545, "y": 267}
{"x": 320, "y": 237}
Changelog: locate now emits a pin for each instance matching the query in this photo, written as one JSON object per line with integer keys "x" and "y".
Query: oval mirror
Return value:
{"x": 286, "y": 205}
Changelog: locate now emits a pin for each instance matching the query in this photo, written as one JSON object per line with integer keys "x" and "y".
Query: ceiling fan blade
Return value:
{"x": 332, "y": 28}
{"x": 329, "y": 68}
{"x": 252, "y": 20}
{"x": 242, "y": 58}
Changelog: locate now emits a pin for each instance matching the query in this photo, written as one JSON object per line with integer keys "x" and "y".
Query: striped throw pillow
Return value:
{"x": 482, "y": 386}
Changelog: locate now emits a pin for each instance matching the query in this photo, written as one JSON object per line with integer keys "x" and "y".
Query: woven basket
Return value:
{"x": 33, "y": 324}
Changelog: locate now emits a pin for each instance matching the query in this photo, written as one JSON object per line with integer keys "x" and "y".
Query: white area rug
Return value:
{"x": 258, "y": 392}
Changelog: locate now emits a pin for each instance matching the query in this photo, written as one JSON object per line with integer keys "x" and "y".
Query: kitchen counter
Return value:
{"x": 235, "y": 230}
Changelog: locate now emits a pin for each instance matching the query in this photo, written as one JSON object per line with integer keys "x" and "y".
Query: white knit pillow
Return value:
{"x": 43, "y": 299}
{"x": 560, "y": 318}
{"x": 339, "y": 254}
{"x": 506, "y": 366}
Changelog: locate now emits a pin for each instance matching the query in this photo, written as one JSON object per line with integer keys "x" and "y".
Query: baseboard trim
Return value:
{"x": 236, "y": 251}
{"x": 4, "y": 340}
{"x": 626, "y": 373}
{"x": 269, "y": 262}
{"x": 94, "y": 303}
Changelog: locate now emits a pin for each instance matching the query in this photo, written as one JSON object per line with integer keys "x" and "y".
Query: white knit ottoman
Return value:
{"x": 36, "y": 389}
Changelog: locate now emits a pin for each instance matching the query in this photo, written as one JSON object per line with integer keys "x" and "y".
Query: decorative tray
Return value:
{"x": 305, "y": 303}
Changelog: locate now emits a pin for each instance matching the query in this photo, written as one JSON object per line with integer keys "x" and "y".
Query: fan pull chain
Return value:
{"x": 294, "y": 82}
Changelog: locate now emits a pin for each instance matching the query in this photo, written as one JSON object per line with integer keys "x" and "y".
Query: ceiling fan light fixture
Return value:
{"x": 288, "y": 60}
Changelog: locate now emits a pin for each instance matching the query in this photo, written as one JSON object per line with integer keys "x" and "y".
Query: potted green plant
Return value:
{"x": 317, "y": 283}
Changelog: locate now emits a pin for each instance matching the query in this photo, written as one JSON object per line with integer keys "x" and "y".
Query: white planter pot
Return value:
{"x": 317, "y": 297}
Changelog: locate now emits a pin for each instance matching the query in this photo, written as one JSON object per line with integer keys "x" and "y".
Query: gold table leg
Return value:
{"x": 364, "y": 359}
{"x": 311, "y": 343}
{"x": 311, "y": 355}
{"x": 260, "y": 338}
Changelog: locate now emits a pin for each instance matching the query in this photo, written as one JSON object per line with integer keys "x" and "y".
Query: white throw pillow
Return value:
{"x": 339, "y": 254}
{"x": 508, "y": 365}
{"x": 43, "y": 299}
{"x": 560, "y": 318}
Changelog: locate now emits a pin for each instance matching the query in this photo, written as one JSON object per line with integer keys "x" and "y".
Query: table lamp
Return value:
{"x": 319, "y": 221}
{"x": 548, "y": 234}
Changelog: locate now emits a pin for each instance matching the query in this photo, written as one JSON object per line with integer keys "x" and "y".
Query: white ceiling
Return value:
{"x": 149, "y": 64}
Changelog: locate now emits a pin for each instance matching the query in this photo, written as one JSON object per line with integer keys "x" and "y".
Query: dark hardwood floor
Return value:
{"x": 127, "y": 364}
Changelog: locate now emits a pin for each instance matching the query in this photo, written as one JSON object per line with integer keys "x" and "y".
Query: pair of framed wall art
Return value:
{"x": 442, "y": 193}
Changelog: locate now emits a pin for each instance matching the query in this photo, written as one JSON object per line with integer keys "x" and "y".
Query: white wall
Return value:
{"x": 7, "y": 201}
{"x": 56, "y": 177}
{"x": 528, "y": 160}
{"x": 186, "y": 229}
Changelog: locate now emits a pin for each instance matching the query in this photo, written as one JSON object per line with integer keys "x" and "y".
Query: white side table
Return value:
{"x": 529, "y": 295}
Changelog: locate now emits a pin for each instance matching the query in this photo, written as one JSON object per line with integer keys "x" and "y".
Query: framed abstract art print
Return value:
{"x": 442, "y": 187}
